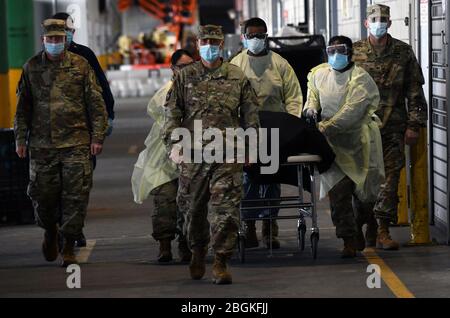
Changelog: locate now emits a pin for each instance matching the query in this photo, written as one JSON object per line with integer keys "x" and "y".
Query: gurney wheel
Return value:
{"x": 314, "y": 244}
{"x": 301, "y": 236}
{"x": 241, "y": 240}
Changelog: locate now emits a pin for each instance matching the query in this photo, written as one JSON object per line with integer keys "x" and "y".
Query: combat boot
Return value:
{"x": 221, "y": 276}
{"x": 266, "y": 234}
{"x": 184, "y": 252}
{"x": 68, "y": 253}
{"x": 81, "y": 242}
{"x": 165, "y": 253}
{"x": 349, "y": 250}
{"x": 371, "y": 233}
{"x": 197, "y": 266}
{"x": 50, "y": 244}
{"x": 360, "y": 242}
{"x": 251, "y": 240}
{"x": 384, "y": 240}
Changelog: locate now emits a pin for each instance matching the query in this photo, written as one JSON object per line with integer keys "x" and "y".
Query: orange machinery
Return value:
{"x": 174, "y": 14}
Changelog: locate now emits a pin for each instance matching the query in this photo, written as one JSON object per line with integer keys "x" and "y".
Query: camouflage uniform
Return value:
{"x": 60, "y": 112}
{"x": 164, "y": 217}
{"x": 342, "y": 213}
{"x": 399, "y": 77}
{"x": 221, "y": 98}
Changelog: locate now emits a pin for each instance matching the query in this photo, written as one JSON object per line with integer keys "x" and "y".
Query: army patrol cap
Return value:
{"x": 54, "y": 27}
{"x": 210, "y": 32}
{"x": 378, "y": 10}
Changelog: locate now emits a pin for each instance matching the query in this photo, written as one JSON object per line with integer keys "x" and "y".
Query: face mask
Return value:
{"x": 54, "y": 49}
{"x": 378, "y": 29}
{"x": 338, "y": 61}
{"x": 245, "y": 43}
{"x": 256, "y": 46}
{"x": 69, "y": 37}
{"x": 210, "y": 53}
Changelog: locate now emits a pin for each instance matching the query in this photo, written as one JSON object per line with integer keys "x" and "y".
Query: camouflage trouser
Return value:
{"x": 363, "y": 212}
{"x": 60, "y": 182}
{"x": 394, "y": 161}
{"x": 164, "y": 217}
{"x": 215, "y": 189}
{"x": 342, "y": 209}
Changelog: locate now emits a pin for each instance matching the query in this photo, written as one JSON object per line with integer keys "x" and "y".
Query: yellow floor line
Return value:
{"x": 85, "y": 252}
{"x": 392, "y": 281}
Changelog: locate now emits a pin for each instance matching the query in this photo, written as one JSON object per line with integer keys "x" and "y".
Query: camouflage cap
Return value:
{"x": 378, "y": 10}
{"x": 210, "y": 32}
{"x": 54, "y": 27}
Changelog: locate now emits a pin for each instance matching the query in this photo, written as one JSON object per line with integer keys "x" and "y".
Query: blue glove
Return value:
{"x": 110, "y": 127}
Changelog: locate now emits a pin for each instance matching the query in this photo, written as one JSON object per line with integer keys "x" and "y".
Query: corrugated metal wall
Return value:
{"x": 439, "y": 114}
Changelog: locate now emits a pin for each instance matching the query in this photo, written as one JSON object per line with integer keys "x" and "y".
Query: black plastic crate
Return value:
{"x": 15, "y": 205}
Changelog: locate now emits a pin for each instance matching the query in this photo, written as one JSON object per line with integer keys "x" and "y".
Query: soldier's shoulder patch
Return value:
{"x": 191, "y": 71}
{"x": 360, "y": 46}
{"x": 359, "y": 56}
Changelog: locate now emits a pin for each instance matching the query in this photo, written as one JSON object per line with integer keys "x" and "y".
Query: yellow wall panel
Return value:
{"x": 14, "y": 77}
{"x": 4, "y": 102}
{"x": 403, "y": 199}
{"x": 8, "y": 85}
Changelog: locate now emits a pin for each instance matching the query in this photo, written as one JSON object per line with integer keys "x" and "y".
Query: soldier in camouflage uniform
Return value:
{"x": 61, "y": 120}
{"x": 395, "y": 69}
{"x": 154, "y": 173}
{"x": 218, "y": 94}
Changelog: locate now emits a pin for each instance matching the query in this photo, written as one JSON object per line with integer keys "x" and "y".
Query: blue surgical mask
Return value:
{"x": 338, "y": 61}
{"x": 210, "y": 53}
{"x": 69, "y": 36}
{"x": 54, "y": 49}
{"x": 378, "y": 29}
{"x": 245, "y": 43}
{"x": 256, "y": 45}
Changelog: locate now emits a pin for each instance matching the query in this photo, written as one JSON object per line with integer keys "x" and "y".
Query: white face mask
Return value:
{"x": 256, "y": 45}
{"x": 378, "y": 29}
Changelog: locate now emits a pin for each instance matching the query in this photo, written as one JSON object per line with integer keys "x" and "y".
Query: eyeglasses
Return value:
{"x": 379, "y": 19}
{"x": 339, "y": 48}
{"x": 261, "y": 36}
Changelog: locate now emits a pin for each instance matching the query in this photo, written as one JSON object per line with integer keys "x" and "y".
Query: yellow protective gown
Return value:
{"x": 153, "y": 167}
{"x": 348, "y": 102}
{"x": 274, "y": 81}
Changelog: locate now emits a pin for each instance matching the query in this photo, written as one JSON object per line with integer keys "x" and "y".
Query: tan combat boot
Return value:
{"x": 251, "y": 240}
{"x": 349, "y": 250}
{"x": 68, "y": 253}
{"x": 266, "y": 234}
{"x": 184, "y": 252}
{"x": 384, "y": 240}
{"x": 197, "y": 266}
{"x": 50, "y": 244}
{"x": 165, "y": 253}
{"x": 221, "y": 276}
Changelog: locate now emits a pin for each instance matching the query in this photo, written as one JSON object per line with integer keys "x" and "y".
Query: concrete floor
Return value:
{"x": 122, "y": 263}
